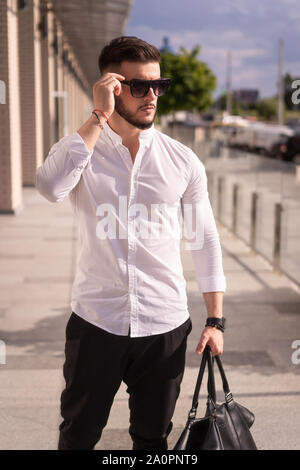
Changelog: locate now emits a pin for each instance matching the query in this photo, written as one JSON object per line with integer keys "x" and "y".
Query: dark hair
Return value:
{"x": 129, "y": 48}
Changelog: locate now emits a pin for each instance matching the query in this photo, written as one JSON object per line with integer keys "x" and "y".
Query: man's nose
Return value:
{"x": 151, "y": 94}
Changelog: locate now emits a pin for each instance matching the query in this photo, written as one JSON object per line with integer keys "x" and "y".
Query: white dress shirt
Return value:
{"x": 130, "y": 221}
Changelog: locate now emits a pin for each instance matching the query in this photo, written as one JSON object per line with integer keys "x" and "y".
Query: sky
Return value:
{"x": 250, "y": 29}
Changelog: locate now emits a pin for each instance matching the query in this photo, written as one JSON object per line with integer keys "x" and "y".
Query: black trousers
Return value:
{"x": 96, "y": 362}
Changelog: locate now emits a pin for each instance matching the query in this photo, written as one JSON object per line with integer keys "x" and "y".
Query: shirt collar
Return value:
{"x": 145, "y": 136}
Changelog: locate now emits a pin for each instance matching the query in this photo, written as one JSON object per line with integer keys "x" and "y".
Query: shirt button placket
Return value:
{"x": 132, "y": 252}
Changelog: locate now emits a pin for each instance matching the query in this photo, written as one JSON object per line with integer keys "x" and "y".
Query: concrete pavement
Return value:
{"x": 37, "y": 255}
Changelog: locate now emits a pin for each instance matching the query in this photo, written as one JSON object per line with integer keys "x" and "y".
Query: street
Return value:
{"x": 37, "y": 252}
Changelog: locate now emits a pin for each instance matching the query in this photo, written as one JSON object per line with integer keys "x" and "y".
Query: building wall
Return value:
{"x": 30, "y": 72}
{"x": 44, "y": 100}
{"x": 10, "y": 130}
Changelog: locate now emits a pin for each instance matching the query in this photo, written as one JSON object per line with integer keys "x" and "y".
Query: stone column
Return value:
{"x": 10, "y": 132}
{"x": 48, "y": 84}
{"x": 30, "y": 60}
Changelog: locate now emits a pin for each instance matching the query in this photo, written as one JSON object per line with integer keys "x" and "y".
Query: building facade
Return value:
{"x": 48, "y": 65}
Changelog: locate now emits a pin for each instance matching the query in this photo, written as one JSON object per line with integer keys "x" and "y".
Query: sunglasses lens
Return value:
{"x": 139, "y": 89}
{"x": 162, "y": 87}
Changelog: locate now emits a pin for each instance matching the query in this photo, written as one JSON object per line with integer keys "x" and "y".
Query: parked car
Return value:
{"x": 260, "y": 137}
{"x": 288, "y": 150}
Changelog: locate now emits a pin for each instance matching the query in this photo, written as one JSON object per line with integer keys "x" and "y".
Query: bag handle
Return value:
{"x": 211, "y": 388}
{"x": 193, "y": 410}
{"x": 223, "y": 376}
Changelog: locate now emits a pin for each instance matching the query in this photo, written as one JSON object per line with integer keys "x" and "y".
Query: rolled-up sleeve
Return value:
{"x": 205, "y": 244}
{"x": 62, "y": 168}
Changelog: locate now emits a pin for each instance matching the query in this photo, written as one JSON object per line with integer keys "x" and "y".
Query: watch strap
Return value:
{"x": 219, "y": 323}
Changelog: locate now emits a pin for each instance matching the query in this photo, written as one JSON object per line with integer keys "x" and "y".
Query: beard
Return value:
{"x": 130, "y": 117}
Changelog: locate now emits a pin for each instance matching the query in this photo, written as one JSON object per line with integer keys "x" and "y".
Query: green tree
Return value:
{"x": 267, "y": 108}
{"x": 221, "y": 104}
{"x": 192, "y": 82}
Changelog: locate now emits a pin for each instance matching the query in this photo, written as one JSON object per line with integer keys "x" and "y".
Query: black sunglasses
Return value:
{"x": 140, "y": 88}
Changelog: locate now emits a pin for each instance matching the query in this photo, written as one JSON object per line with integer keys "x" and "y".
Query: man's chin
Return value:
{"x": 144, "y": 125}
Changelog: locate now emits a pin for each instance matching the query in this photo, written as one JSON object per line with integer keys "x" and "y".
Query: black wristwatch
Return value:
{"x": 219, "y": 323}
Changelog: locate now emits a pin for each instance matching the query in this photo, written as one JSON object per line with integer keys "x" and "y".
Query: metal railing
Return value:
{"x": 258, "y": 198}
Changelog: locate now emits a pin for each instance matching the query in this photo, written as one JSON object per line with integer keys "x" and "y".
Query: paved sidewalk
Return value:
{"x": 37, "y": 255}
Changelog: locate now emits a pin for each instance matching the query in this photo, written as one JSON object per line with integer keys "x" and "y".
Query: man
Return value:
{"x": 129, "y": 319}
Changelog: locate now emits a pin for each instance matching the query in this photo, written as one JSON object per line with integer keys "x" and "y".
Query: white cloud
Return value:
{"x": 250, "y": 30}
{"x": 214, "y": 52}
{"x": 231, "y": 6}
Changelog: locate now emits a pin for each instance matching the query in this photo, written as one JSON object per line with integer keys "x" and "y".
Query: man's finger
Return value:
{"x": 201, "y": 346}
{"x": 216, "y": 350}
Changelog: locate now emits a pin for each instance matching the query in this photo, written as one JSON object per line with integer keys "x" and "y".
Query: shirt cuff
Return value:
{"x": 78, "y": 151}
{"x": 212, "y": 284}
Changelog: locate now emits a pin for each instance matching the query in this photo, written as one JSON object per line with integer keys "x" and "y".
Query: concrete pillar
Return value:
{"x": 72, "y": 100}
{"x": 277, "y": 235}
{"x": 234, "y": 207}
{"x": 31, "y": 90}
{"x": 48, "y": 85}
{"x": 67, "y": 89}
{"x": 59, "y": 100}
{"x": 253, "y": 219}
{"x": 10, "y": 137}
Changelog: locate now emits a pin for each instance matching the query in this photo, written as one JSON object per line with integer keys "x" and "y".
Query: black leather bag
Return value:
{"x": 225, "y": 426}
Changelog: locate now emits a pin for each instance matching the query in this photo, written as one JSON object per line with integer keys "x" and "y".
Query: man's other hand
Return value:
{"x": 214, "y": 338}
